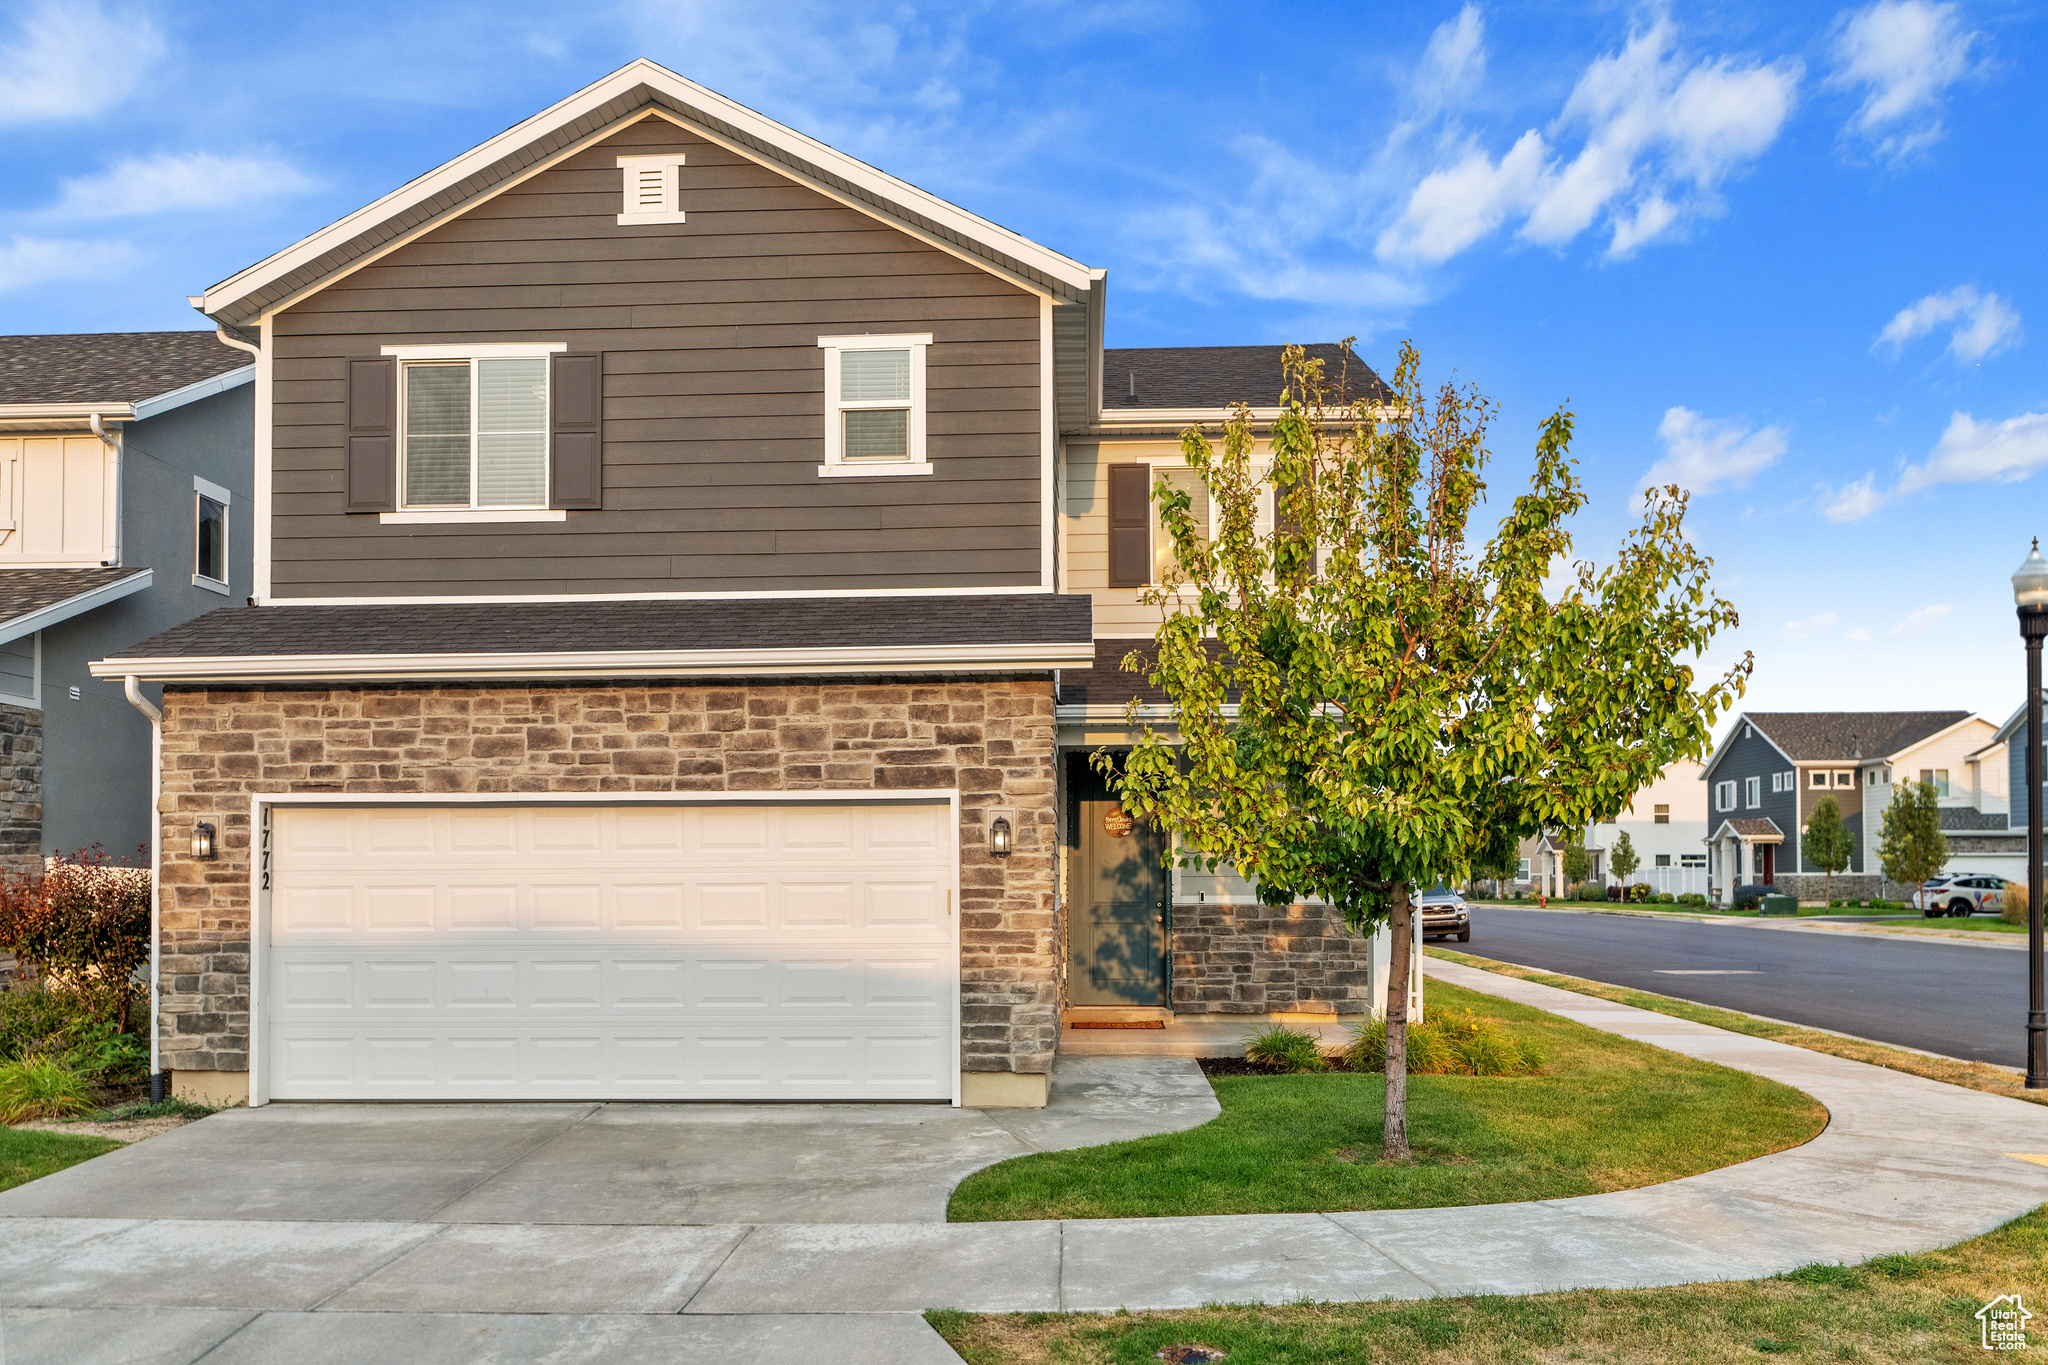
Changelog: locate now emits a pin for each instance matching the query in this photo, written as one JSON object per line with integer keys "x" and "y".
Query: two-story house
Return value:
{"x": 1772, "y": 769}
{"x": 124, "y": 504}
{"x": 676, "y": 547}
{"x": 1666, "y": 824}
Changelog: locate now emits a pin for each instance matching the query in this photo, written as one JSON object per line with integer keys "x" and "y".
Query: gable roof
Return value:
{"x": 63, "y": 378}
{"x": 1218, "y": 376}
{"x": 2014, "y": 723}
{"x": 31, "y": 599}
{"x": 1753, "y": 828}
{"x": 1847, "y": 736}
{"x": 593, "y": 112}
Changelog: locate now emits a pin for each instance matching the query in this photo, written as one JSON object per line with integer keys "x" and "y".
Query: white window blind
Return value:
{"x": 874, "y": 405}
{"x": 476, "y": 433}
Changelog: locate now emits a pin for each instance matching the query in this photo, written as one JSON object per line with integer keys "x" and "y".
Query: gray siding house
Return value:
{"x": 670, "y": 537}
{"x": 125, "y": 475}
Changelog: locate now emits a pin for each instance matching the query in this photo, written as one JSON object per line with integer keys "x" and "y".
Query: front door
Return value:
{"x": 1116, "y": 919}
{"x": 1767, "y": 863}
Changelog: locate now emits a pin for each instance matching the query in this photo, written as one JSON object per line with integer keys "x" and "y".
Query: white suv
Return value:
{"x": 1959, "y": 894}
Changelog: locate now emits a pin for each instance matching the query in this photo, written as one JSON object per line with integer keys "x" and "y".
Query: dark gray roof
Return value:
{"x": 1753, "y": 828}
{"x": 1107, "y": 684}
{"x": 1217, "y": 376}
{"x": 109, "y": 367}
{"x": 1970, "y": 818}
{"x": 1841, "y": 736}
{"x": 23, "y": 591}
{"x": 564, "y": 627}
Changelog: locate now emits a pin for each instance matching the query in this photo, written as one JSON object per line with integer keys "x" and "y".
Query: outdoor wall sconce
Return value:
{"x": 999, "y": 836}
{"x": 202, "y": 842}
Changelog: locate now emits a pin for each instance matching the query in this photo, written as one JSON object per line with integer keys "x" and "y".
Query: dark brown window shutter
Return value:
{"x": 576, "y": 434}
{"x": 1130, "y": 525}
{"x": 370, "y": 461}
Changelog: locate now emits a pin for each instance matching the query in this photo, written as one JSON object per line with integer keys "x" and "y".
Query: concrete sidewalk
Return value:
{"x": 1904, "y": 1165}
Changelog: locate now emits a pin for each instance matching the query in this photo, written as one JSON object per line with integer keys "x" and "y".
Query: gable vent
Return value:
{"x": 653, "y": 188}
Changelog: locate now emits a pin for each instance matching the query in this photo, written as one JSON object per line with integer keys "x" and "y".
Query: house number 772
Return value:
{"x": 263, "y": 859}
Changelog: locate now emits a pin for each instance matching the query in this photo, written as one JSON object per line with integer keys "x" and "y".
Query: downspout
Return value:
{"x": 159, "y": 1083}
{"x": 112, "y": 441}
{"x": 220, "y": 329}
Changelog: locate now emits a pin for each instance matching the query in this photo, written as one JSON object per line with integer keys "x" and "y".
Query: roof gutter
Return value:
{"x": 584, "y": 664}
{"x": 30, "y": 622}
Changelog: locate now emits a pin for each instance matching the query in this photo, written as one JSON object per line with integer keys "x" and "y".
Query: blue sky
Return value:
{"x": 1789, "y": 257}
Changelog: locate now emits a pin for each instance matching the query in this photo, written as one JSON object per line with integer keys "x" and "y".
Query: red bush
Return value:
{"x": 83, "y": 922}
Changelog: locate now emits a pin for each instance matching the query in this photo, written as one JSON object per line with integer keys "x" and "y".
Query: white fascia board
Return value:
{"x": 192, "y": 393}
{"x": 762, "y": 594}
{"x": 53, "y": 416}
{"x": 56, "y": 612}
{"x": 804, "y": 151}
{"x": 651, "y": 663}
{"x": 1113, "y": 420}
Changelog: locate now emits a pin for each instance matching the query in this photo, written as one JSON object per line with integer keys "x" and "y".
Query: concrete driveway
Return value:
{"x": 622, "y": 1164}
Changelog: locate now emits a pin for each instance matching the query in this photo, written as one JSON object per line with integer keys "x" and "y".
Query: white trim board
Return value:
{"x": 762, "y": 594}
{"x": 30, "y": 622}
{"x": 665, "y": 663}
{"x": 259, "y": 891}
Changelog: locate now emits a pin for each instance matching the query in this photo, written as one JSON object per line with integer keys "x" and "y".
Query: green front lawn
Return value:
{"x": 1904, "y": 1309}
{"x": 29, "y": 1154}
{"x": 1608, "y": 1114}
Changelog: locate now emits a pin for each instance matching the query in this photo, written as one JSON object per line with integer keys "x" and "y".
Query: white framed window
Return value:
{"x": 1870, "y": 778}
{"x": 1817, "y": 779}
{"x": 653, "y": 189}
{"x": 1521, "y": 869}
{"x": 874, "y": 405}
{"x": 1792, "y": 781}
{"x": 1663, "y": 860}
{"x": 1752, "y": 791}
{"x": 473, "y": 432}
{"x": 210, "y": 504}
{"x": 1777, "y": 783}
{"x": 1845, "y": 777}
{"x": 1724, "y": 796}
{"x": 1692, "y": 860}
{"x": 1937, "y": 778}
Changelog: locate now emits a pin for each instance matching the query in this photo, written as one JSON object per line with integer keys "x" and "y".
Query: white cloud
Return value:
{"x": 1808, "y": 628}
{"x": 1702, "y": 454}
{"x": 1454, "y": 62}
{"x": 1661, "y": 132}
{"x": 32, "y": 260}
{"x": 1860, "y": 635}
{"x": 135, "y": 186}
{"x": 1921, "y": 621}
{"x": 1903, "y": 55}
{"x": 74, "y": 58}
{"x": 1854, "y": 501}
{"x": 1985, "y": 323}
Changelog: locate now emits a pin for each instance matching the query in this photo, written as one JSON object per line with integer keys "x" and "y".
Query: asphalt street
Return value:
{"x": 1954, "y": 999}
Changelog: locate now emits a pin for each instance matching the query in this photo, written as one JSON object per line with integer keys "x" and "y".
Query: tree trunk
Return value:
{"x": 1400, "y": 969}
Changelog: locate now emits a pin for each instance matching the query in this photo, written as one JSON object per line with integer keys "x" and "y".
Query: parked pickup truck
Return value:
{"x": 1444, "y": 915}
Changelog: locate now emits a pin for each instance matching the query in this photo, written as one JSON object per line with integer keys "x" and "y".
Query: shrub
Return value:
{"x": 1663, "y": 898}
{"x": 1447, "y": 1042}
{"x": 83, "y": 924}
{"x": 1285, "y": 1049}
{"x": 1692, "y": 898}
{"x": 1590, "y": 891}
{"x": 1640, "y": 893}
{"x": 2012, "y": 906}
{"x": 41, "y": 1088}
{"x": 35, "y": 1011}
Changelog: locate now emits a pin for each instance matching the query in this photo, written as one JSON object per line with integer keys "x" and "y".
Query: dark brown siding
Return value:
{"x": 714, "y": 394}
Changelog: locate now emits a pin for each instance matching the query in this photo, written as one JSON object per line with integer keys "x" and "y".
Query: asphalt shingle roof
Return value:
{"x": 565, "y": 627}
{"x": 1107, "y": 684}
{"x": 1839, "y": 736}
{"x": 1217, "y": 376}
{"x": 109, "y": 367}
{"x": 30, "y": 590}
{"x": 1751, "y": 828}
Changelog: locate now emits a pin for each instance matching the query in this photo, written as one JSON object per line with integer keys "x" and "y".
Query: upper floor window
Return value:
{"x": 1660, "y": 815}
{"x": 1845, "y": 777}
{"x": 1937, "y": 778}
{"x": 1724, "y": 796}
{"x": 1752, "y": 790}
{"x": 875, "y": 405}
{"x": 1817, "y": 779}
{"x": 210, "y": 503}
{"x": 475, "y": 432}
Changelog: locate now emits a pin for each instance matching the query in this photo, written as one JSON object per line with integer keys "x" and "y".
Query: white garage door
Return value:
{"x": 611, "y": 952}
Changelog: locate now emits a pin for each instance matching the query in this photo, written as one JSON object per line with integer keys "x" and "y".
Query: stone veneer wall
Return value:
{"x": 992, "y": 739}
{"x": 21, "y": 789}
{"x": 1259, "y": 959}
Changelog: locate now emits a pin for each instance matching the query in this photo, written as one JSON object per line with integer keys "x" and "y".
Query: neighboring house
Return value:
{"x": 124, "y": 506}
{"x": 1666, "y": 824}
{"x": 2003, "y": 853}
{"x": 670, "y": 534}
{"x": 1772, "y": 768}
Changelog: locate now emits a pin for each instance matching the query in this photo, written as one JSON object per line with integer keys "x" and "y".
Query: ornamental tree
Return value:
{"x": 1826, "y": 843}
{"x": 1576, "y": 864}
{"x": 1623, "y": 860}
{"x": 1911, "y": 845}
{"x": 1408, "y": 703}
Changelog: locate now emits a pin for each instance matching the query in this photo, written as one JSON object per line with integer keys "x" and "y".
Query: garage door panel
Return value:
{"x": 643, "y": 952}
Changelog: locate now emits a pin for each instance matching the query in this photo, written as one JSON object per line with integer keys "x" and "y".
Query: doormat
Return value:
{"x": 1117, "y": 1023}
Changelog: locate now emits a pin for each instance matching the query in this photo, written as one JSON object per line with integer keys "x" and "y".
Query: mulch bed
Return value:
{"x": 1238, "y": 1066}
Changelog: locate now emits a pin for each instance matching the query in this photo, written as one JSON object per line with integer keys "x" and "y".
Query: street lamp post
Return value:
{"x": 2030, "y": 593}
